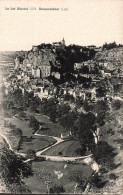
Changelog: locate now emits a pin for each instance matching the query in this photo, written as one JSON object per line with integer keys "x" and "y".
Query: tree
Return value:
{"x": 101, "y": 109}
{"x": 104, "y": 154}
{"x": 110, "y": 45}
{"x": 53, "y": 113}
{"x": 34, "y": 103}
{"x": 22, "y": 115}
{"x": 13, "y": 169}
{"x": 34, "y": 123}
{"x": 67, "y": 121}
{"x": 26, "y": 100}
{"x": 49, "y": 108}
{"x": 84, "y": 130}
{"x": 87, "y": 107}
{"x": 63, "y": 109}
{"x": 84, "y": 70}
{"x": 79, "y": 103}
{"x": 17, "y": 131}
{"x": 113, "y": 176}
{"x": 78, "y": 177}
{"x": 97, "y": 181}
{"x": 19, "y": 188}
{"x": 30, "y": 153}
{"x": 33, "y": 108}
{"x": 101, "y": 89}
{"x": 57, "y": 189}
{"x": 116, "y": 104}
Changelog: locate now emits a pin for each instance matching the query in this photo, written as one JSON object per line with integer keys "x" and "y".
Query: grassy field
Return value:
{"x": 68, "y": 148}
{"x": 23, "y": 125}
{"x": 36, "y": 143}
{"x": 45, "y": 169}
{"x": 50, "y": 128}
{"x": 29, "y": 141}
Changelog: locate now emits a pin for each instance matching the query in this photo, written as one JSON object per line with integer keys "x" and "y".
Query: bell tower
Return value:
{"x": 63, "y": 42}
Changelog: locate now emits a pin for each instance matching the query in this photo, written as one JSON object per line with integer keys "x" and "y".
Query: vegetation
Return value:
{"x": 104, "y": 154}
{"x": 30, "y": 154}
{"x": 78, "y": 117}
{"x": 84, "y": 130}
{"x": 57, "y": 189}
{"x": 97, "y": 181}
{"x": 67, "y": 57}
{"x": 116, "y": 104}
{"x": 78, "y": 177}
{"x": 33, "y": 123}
{"x": 13, "y": 169}
{"x": 110, "y": 45}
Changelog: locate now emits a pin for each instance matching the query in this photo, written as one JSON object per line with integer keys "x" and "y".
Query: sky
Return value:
{"x": 86, "y": 22}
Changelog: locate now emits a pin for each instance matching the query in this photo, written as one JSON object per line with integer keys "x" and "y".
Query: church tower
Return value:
{"x": 63, "y": 42}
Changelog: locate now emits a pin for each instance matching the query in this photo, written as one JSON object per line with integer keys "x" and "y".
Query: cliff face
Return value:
{"x": 37, "y": 58}
{"x": 114, "y": 56}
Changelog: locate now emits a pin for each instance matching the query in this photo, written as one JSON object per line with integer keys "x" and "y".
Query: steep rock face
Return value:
{"x": 37, "y": 58}
{"x": 115, "y": 56}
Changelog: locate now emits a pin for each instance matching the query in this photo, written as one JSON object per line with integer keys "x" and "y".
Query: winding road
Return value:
{"x": 58, "y": 140}
{"x": 86, "y": 159}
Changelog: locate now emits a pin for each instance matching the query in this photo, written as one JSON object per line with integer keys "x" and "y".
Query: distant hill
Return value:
{"x": 9, "y": 56}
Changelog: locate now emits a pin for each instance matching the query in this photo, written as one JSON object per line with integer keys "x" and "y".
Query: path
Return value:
{"x": 58, "y": 140}
{"x": 7, "y": 141}
{"x": 47, "y": 157}
{"x": 60, "y": 158}
{"x": 88, "y": 158}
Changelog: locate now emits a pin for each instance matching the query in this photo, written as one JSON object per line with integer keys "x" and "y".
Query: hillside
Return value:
{"x": 112, "y": 170}
{"x": 113, "y": 56}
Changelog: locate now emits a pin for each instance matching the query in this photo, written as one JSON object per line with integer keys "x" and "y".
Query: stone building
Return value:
{"x": 17, "y": 63}
{"x": 43, "y": 71}
{"x": 78, "y": 66}
{"x": 45, "y": 68}
{"x": 60, "y": 44}
{"x": 34, "y": 48}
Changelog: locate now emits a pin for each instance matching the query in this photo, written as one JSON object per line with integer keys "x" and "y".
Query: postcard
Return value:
{"x": 61, "y": 98}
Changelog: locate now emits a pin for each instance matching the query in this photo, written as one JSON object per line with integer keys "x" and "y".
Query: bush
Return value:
{"x": 87, "y": 107}
{"x": 110, "y": 131}
{"x": 78, "y": 177}
{"x": 104, "y": 154}
{"x": 60, "y": 153}
{"x": 57, "y": 189}
{"x": 97, "y": 181}
{"x": 116, "y": 104}
{"x": 17, "y": 132}
{"x": 22, "y": 115}
{"x": 79, "y": 103}
{"x": 34, "y": 123}
{"x": 13, "y": 169}
{"x": 30, "y": 153}
{"x": 113, "y": 176}
{"x": 19, "y": 188}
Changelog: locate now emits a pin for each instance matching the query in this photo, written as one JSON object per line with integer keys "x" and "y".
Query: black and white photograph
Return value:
{"x": 61, "y": 97}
